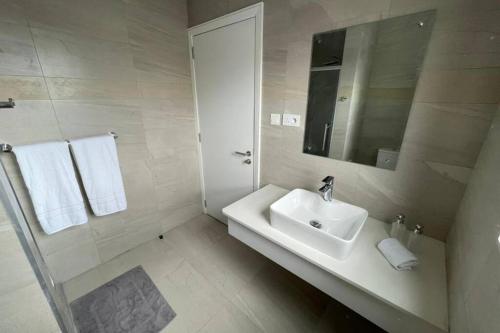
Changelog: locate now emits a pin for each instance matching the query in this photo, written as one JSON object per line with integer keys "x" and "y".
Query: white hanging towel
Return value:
{"x": 49, "y": 175}
{"x": 97, "y": 162}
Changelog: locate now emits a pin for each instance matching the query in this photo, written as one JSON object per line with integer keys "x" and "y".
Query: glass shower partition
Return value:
{"x": 323, "y": 96}
{"x": 326, "y": 65}
{"x": 13, "y": 225}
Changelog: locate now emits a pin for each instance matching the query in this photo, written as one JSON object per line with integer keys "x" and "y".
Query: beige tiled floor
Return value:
{"x": 217, "y": 284}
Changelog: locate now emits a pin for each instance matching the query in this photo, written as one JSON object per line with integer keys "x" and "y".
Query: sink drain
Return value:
{"x": 315, "y": 224}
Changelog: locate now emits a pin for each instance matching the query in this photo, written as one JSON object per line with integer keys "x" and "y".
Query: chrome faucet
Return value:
{"x": 326, "y": 190}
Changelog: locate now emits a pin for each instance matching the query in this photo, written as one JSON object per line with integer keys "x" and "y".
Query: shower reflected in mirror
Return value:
{"x": 361, "y": 86}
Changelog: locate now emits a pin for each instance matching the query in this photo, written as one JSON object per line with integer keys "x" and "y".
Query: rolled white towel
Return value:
{"x": 397, "y": 255}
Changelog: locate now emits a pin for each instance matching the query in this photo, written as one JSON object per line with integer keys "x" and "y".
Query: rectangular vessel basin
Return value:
{"x": 327, "y": 226}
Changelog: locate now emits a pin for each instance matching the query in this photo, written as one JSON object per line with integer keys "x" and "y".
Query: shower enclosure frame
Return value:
{"x": 53, "y": 293}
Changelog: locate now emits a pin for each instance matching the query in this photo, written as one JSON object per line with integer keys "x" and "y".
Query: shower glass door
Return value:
{"x": 326, "y": 65}
{"x": 29, "y": 299}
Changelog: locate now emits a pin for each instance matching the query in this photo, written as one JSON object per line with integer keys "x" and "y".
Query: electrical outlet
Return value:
{"x": 291, "y": 119}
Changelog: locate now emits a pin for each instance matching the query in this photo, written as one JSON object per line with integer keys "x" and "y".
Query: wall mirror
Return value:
{"x": 361, "y": 86}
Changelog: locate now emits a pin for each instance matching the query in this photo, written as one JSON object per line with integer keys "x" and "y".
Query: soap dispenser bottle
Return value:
{"x": 415, "y": 239}
{"x": 398, "y": 228}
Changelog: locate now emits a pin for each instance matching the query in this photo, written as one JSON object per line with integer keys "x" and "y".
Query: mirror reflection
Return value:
{"x": 361, "y": 86}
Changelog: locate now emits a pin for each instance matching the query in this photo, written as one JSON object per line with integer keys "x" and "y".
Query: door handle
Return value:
{"x": 325, "y": 132}
{"x": 248, "y": 153}
{"x": 247, "y": 161}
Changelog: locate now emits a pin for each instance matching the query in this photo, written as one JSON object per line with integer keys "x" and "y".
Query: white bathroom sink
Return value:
{"x": 337, "y": 224}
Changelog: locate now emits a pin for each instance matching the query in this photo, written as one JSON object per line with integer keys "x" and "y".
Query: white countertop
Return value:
{"x": 421, "y": 292}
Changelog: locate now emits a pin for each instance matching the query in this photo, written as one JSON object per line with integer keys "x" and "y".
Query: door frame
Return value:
{"x": 255, "y": 11}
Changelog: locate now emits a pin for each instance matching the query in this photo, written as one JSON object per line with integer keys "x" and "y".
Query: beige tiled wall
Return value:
{"x": 79, "y": 68}
{"x": 454, "y": 103}
{"x": 474, "y": 246}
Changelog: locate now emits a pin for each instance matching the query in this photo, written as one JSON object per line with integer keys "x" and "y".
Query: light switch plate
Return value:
{"x": 291, "y": 119}
{"x": 275, "y": 119}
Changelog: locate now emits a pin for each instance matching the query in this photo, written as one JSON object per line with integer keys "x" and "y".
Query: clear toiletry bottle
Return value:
{"x": 398, "y": 228}
{"x": 415, "y": 239}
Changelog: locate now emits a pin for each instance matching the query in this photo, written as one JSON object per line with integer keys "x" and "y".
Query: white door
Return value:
{"x": 224, "y": 70}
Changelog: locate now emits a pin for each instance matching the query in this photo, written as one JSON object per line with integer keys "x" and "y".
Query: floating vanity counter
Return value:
{"x": 407, "y": 301}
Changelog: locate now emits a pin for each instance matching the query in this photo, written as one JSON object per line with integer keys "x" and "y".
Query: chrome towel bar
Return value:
{"x": 6, "y": 148}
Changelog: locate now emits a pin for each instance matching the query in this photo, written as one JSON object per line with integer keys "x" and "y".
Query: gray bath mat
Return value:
{"x": 128, "y": 303}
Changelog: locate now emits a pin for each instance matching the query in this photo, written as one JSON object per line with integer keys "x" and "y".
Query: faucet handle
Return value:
{"x": 328, "y": 180}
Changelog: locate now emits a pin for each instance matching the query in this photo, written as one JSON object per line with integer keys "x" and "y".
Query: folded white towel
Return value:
{"x": 97, "y": 162}
{"x": 49, "y": 175}
{"x": 397, "y": 255}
